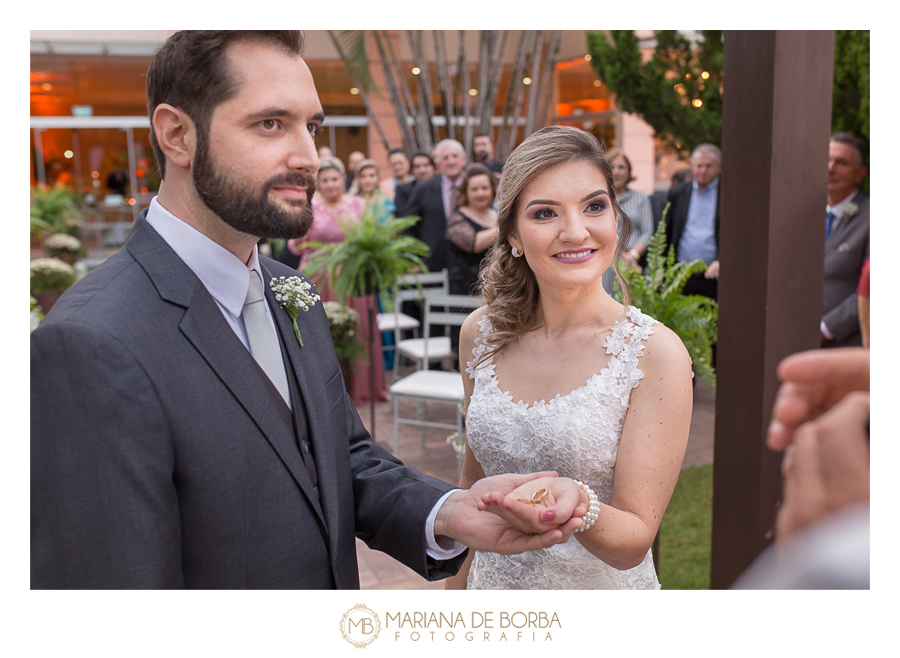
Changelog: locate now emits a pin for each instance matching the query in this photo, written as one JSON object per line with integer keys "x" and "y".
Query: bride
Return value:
{"x": 562, "y": 377}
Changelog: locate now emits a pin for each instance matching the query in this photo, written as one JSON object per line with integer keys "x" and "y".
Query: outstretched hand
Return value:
{"x": 538, "y": 506}
{"x": 814, "y": 382}
{"x": 464, "y": 517}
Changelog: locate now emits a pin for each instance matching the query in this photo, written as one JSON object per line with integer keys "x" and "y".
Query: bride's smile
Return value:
{"x": 566, "y": 226}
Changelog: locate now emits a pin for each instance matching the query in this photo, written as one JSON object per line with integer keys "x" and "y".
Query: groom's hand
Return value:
{"x": 460, "y": 518}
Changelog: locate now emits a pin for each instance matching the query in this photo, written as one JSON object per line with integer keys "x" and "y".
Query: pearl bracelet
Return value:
{"x": 593, "y": 507}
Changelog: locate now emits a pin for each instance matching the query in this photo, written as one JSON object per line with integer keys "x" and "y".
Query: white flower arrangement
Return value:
{"x": 458, "y": 443}
{"x": 51, "y": 274}
{"x": 62, "y": 242}
{"x": 850, "y": 210}
{"x": 343, "y": 322}
{"x": 293, "y": 294}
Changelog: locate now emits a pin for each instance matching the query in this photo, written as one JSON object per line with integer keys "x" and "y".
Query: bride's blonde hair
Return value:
{"x": 508, "y": 286}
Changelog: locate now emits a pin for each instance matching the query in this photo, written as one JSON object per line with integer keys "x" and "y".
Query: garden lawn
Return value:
{"x": 686, "y": 532}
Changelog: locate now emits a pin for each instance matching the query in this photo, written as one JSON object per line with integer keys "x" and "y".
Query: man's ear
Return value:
{"x": 176, "y": 134}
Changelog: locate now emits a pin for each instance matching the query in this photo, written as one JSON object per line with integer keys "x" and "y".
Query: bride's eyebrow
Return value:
{"x": 548, "y": 202}
{"x": 593, "y": 194}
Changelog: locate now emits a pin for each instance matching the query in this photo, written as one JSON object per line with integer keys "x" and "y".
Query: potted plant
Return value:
{"x": 343, "y": 322}
{"x": 36, "y": 315}
{"x": 54, "y": 210}
{"x": 370, "y": 260}
{"x": 50, "y": 278}
{"x": 63, "y": 246}
{"x": 657, "y": 292}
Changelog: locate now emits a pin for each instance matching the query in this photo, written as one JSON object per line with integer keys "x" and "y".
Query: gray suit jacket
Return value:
{"x": 159, "y": 458}
{"x": 845, "y": 252}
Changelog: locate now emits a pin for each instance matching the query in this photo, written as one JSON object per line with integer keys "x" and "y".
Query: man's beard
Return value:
{"x": 247, "y": 210}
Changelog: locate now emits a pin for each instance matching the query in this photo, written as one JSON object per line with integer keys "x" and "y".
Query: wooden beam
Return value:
{"x": 776, "y": 125}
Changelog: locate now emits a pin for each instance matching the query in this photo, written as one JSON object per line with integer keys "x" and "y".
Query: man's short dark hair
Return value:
{"x": 856, "y": 142}
{"x": 190, "y": 72}
{"x": 421, "y": 154}
{"x": 395, "y": 151}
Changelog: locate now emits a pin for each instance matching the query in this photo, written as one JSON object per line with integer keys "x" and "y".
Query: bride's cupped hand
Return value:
{"x": 539, "y": 505}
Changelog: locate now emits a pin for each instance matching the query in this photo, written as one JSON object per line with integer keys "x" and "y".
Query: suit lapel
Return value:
{"x": 206, "y": 329}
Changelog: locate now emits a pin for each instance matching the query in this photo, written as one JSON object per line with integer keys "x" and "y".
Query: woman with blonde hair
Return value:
{"x": 366, "y": 184}
{"x": 330, "y": 205}
{"x": 562, "y": 377}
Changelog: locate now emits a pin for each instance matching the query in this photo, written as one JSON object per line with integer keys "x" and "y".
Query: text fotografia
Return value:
{"x": 478, "y": 626}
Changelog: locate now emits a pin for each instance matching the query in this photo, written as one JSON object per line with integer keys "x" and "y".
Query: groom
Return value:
{"x": 181, "y": 437}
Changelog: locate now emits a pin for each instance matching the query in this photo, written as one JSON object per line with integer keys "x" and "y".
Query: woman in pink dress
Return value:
{"x": 328, "y": 204}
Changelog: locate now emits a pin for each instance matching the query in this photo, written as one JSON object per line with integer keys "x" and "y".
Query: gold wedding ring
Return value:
{"x": 538, "y": 496}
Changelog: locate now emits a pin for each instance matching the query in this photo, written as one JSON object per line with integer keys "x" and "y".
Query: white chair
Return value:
{"x": 425, "y": 385}
{"x": 410, "y": 287}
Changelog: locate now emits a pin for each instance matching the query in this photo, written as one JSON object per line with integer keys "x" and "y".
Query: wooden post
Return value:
{"x": 776, "y": 125}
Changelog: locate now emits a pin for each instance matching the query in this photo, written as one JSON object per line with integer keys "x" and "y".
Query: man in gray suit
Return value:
{"x": 169, "y": 448}
{"x": 846, "y": 240}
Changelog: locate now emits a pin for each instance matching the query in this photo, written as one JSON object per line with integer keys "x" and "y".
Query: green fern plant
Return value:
{"x": 372, "y": 257}
{"x": 54, "y": 210}
{"x": 657, "y": 292}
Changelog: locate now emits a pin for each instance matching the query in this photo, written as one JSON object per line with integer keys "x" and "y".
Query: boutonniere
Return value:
{"x": 293, "y": 294}
{"x": 850, "y": 210}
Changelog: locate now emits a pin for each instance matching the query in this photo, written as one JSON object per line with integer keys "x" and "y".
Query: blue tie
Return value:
{"x": 828, "y": 219}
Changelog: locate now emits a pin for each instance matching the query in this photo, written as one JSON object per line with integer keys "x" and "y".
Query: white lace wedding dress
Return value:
{"x": 576, "y": 435}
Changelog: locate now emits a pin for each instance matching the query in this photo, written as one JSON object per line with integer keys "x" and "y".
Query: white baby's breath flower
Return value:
{"x": 293, "y": 295}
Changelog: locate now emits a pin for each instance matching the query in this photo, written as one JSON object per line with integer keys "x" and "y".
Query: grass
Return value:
{"x": 686, "y": 532}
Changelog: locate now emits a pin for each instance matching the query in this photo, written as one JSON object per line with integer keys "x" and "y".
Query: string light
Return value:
{"x": 526, "y": 81}
{"x": 698, "y": 102}
{"x": 473, "y": 92}
{"x": 705, "y": 75}
{"x": 587, "y": 58}
{"x": 68, "y": 154}
{"x": 416, "y": 70}
{"x": 354, "y": 91}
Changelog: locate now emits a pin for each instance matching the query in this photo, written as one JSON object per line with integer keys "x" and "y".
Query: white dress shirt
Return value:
{"x": 227, "y": 280}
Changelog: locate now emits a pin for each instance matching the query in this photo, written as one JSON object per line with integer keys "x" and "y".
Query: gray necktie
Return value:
{"x": 263, "y": 341}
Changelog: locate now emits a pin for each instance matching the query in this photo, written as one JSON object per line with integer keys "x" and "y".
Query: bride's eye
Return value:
{"x": 596, "y": 207}
{"x": 544, "y": 213}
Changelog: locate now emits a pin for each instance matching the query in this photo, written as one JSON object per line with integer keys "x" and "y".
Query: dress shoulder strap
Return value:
{"x": 485, "y": 329}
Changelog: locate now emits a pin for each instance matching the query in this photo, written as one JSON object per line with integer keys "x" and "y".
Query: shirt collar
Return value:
{"x": 714, "y": 185}
{"x": 838, "y": 208}
{"x": 221, "y": 272}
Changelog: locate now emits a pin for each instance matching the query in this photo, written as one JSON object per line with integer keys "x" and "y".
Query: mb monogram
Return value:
{"x": 360, "y": 626}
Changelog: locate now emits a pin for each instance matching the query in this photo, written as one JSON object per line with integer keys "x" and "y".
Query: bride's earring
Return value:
{"x": 515, "y": 252}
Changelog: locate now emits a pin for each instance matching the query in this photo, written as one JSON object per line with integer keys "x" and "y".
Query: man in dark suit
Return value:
{"x": 846, "y": 240}
{"x": 433, "y": 200}
{"x": 422, "y": 169}
{"x": 483, "y": 150}
{"x": 692, "y": 221}
{"x": 191, "y": 441}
